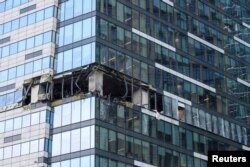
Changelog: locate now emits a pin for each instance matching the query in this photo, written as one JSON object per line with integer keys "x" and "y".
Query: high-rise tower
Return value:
{"x": 123, "y": 83}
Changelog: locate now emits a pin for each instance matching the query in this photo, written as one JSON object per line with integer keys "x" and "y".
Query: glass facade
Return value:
{"x": 125, "y": 83}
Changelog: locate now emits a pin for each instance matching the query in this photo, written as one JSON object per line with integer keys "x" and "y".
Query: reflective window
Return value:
{"x": 85, "y": 138}
{"x": 25, "y": 147}
{"x": 31, "y": 18}
{"x": 43, "y": 116}
{"x": 75, "y": 140}
{"x": 34, "y": 146}
{"x": 35, "y": 118}
{"x": 2, "y": 126}
{"x": 9, "y": 4}
{"x": 26, "y": 121}
{"x": 76, "y": 31}
{"x": 7, "y": 152}
{"x": 76, "y": 8}
{"x": 25, "y": 44}
{"x": 86, "y": 109}
{"x": 77, "y": 57}
{"x": 66, "y": 114}
{"x": 1, "y": 153}
{"x": 23, "y": 21}
{"x": 87, "y": 28}
{"x": 56, "y": 146}
{"x": 9, "y": 125}
{"x": 57, "y": 116}
{"x": 72, "y": 141}
{"x": 76, "y": 111}
{"x": 27, "y": 20}
{"x": 86, "y": 54}
{"x": 16, "y": 150}
{"x": 67, "y": 64}
{"x": 18, "y": 71}
{"x": 18, "y": 123}
{"x": 65, "y": 147}
{"x": 75, "y": 162}
{"x": 37, "y": 65}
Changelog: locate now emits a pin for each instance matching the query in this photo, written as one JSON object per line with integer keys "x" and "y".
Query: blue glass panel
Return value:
{"x": 87, "y": 28}
{"x": 1, "y": 29}
{"x": 18, "y": 123}
{"x": 26, "y": 121}
{"x": 77, "y": 57}
{"x": 59, "y": 62}
{"x": 20, "y": 71}
{"x": 9, "y": 125}
{"x": 8, "y": 4}
{"x": 23, "y": 21}
{"x": 5, "y": 51}
{"x": 86, "y": 6}
{"x": 15, "y": 24}
{"x": 62, "y": 7}
{"x": 18, "y": 95}
{"x": 48, "y": 13}
{"x": 37, "y": 65}
{"x": 39, "y": 15}
{"x": 2, "y": 123}
{"x": 31, "y": 18}
{"x": 78, "y": 7}
{"x": 68, "y": 36}
{"x": 7, "y": 27}
{"x": 10, "y": 98}
{"x": 21, "y": 45}
{"x": 13, "y": 48}
{"x": 29, "y": 68}
{"x": 12, "y": 73}
{"x": 47, "y": 37}
{"x": 67, "y": 61}
{"x": 61, "y": 36}
{"x": 16, "y": 3}
{"x": 4, "y": 75}
{"x": 69, "y": 9}
{"x": 2, "y": 7}
{"x": 46, "y": 63}
{"x": 38, "y": 40}
{"x": 86, "y": 54}
{"x": 77, "y": 31}
{"x": 2, "y": 100}
{"x": 30, "y": 43}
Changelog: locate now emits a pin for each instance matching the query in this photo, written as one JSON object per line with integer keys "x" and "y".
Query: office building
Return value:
{"x": 123, "y": 83}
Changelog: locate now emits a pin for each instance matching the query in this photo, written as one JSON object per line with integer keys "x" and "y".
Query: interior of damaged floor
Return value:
{"x": 93, "y": 80}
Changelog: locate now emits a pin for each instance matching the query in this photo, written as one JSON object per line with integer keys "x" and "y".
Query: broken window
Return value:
{"x": 167, "y": 106}
{"x": 181, "y": 111}
{"x": 195, "y": 114}
{"x": 155, "y": 100}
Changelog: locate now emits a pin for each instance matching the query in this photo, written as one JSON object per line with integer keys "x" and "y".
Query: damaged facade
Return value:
{"x": 98, "y": 83}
